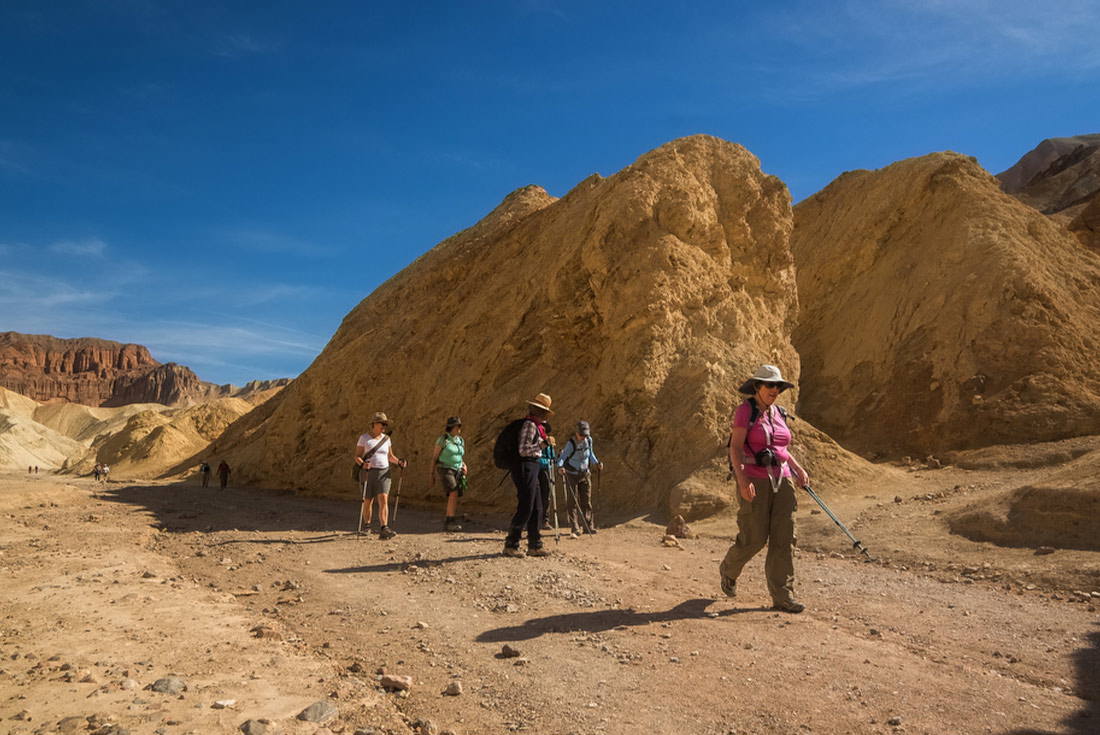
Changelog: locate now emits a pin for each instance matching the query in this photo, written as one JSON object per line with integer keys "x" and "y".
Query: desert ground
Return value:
{"x": 261, "y": 604}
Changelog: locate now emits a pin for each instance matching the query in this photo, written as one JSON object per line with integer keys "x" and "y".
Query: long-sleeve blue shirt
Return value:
{"x": 577, "y": 455}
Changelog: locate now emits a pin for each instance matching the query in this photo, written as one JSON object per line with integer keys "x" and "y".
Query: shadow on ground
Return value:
{"x": 597, "y": 621}
{"x": 187, "y": 508}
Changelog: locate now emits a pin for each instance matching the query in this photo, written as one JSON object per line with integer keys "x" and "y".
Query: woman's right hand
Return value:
{"x": 748, "y": 492}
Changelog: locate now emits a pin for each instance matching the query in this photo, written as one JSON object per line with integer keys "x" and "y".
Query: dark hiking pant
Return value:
{"x": 769, "y": 519}
{"x": 544, "y": 493}
{"x": 578, "y": 500}
{"x": 525, "y": 476}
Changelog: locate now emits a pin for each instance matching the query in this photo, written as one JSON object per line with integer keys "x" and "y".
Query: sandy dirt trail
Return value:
{"x": 264, "y": 603}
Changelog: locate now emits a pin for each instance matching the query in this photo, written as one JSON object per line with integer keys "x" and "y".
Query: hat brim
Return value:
{"x": 749, "y": 387}
{"x": 539, "y": 405}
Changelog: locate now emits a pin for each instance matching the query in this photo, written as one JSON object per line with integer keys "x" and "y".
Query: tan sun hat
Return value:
{"x": 379, "y": 418}
{"x": 765, "y": 374}
{"x": 541, "y": 401}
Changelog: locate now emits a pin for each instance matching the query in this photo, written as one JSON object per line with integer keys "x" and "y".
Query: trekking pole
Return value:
{"x": 553, "y": 496}
{"x": 397, "y": 495}
{"x": 577, "y": 505}
{"x": 855, "y": 542}
{"x": 363, "y": 503}
{"x": 592, "y": 502}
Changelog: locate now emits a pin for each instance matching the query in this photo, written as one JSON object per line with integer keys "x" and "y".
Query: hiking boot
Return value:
{"x": 539, "y": 551}
{"x": 729, "y": 586}
{"x": 452, "y": 524}
{"x": 386, "y": 533}
{"x": 573, "y": 535}
{"x": 789, "y": 606}
{"x": 514, "y": 551}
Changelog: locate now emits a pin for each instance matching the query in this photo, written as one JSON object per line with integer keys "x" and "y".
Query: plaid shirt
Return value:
{"x": 529, "y": 436}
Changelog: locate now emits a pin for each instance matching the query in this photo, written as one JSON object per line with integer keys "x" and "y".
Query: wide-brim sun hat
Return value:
{"x": 379, "y": 418}
{"x": 765, "y": 374}
{"x": 542, "y": 401}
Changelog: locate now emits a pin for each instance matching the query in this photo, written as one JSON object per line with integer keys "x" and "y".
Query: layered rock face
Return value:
{"x": 1061, "y": 178}
{"x": 84, "y": 371}
{"x": 99, "y": 372}
{"x": 639, "y": 302}
{"x": 940, "y": 313}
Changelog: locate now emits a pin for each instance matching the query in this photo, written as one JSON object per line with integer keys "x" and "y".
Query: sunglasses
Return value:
{"x": 768, "y": 384}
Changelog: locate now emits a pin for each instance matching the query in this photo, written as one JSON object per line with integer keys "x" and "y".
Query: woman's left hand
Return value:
{"x": 802, "y": 477}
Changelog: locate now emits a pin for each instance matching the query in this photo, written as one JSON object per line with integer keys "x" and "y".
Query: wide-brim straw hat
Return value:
{"x": 542, "y": 401}
{"x": 379, "y": 418}
{"x": 765, "y": 374}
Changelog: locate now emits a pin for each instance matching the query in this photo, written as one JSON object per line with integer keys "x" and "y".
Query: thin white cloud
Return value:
{"x": 236, "y": 45}
{"x": 89, "y": 247}
{"x": 272, "y": 243}
{"x": 940, "y": 42}
{"x": 30, "y": 294}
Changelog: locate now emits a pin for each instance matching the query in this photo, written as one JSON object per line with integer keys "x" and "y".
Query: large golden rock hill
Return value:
{"x": 639, "y": 302}
{"x": 937, "y": 312}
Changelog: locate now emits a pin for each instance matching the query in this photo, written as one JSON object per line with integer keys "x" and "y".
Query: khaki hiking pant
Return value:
{"x": 769, "y": 519}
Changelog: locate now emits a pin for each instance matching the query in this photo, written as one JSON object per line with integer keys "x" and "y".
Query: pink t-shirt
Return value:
{"x": 770, "y": 430}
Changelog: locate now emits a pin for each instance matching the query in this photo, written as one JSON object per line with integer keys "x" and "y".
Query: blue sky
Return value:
{"x": 224, "y": 181}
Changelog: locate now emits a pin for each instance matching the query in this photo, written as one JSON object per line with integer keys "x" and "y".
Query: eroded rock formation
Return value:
{"x": 638, "y": 302}
{"x": 940, "y": 313}
{"x": 100, "y": 372}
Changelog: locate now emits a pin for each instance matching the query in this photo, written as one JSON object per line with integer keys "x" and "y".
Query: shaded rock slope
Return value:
{"x": 101, "y": 372}
{"x": 940, "y": 313}
{"x": 638, "y": 302}
{"x": 1061, "y": 177}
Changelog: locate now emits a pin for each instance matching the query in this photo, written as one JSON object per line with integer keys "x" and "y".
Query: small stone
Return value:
{"x": 421, "y": 625}
{"x": 224, "y": 703}
{"x": 168, "y": 685}
{"x": 128, "y": 684}
{"x": 396, "y": 682}
{"x": 894, "y": 721}
{"x": 453, "y": 689}
{"x": 253, "y": 727}
{"x": 320, "y": 711}
{"x": 1044, "y": 550}
{"x": 897, "y": 498}
{"x": 508, "y": 652}
{"x": 71, "y": 725}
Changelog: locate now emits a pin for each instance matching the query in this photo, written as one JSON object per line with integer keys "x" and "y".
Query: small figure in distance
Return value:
{"x": 204, "y": 471}
{"x": 223, "y": 473}
{"x": 574, "y": 462}
{"x": 448, "y": 463}
{"x": 374, "y": 450}
{"x": 545, "y": 460}
{"x": 532, "y": 440}
{"x": 763, "y": 464}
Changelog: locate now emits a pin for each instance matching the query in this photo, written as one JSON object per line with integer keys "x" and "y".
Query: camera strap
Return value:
{"x": 768, "y": 426}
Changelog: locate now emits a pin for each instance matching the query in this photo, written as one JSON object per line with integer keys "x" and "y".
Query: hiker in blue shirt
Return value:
{"x": 574, "y": 462}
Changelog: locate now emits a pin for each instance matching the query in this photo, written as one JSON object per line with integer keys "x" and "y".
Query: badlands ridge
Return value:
{"x": 921, "y": 309}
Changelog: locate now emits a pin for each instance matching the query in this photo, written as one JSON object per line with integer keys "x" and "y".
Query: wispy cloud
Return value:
{"x": 236, "y": 45}
{"x": 269, "y": 242}
{"x": 32, "y": 294}
{"x": 940, "y": 42}
{"x": 89, "y": 247}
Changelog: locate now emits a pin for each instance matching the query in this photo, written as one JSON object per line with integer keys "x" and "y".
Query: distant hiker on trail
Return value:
{"x": 223, "y": 473}
{"x": 204, "y": 471}
{"x": 531, "y": 438}
{"x": 374, "y": 450}
{"x": 95, "y": 472}
{"x": 104, "y": 471}
{"x": 576, "y": 457}
{"x": 448, "y": 463}
{"x": 762, "y": 462}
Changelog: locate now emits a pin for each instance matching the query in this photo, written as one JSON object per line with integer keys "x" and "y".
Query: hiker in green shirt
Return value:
{"x": 449, "y": 465}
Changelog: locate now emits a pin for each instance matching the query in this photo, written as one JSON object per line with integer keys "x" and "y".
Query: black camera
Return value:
{"x": 766, "y": 457}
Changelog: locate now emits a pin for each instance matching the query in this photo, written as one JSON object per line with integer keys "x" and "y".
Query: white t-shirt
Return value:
{"x": 381, "y": 458}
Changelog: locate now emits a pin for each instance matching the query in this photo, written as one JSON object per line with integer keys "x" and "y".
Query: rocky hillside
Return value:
{"x": 100, "y": 372}
{"x": 940, "y": 313}
{"x": 1061, "y": 178}
{"x": 638, "y": 302}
